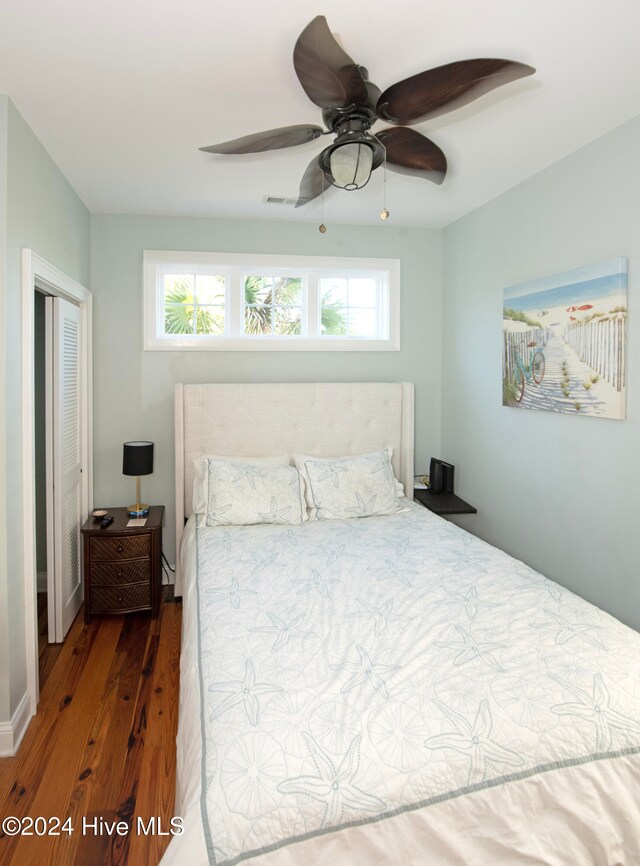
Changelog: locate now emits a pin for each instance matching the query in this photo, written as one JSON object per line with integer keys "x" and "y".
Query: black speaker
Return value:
{"x": 440, "y": 476}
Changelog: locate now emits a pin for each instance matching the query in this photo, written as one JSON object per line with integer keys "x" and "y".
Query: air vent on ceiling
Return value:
{"x": 279, "y": 199}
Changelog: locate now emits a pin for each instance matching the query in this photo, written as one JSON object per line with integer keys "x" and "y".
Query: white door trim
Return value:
{"x": 36, "y": 272}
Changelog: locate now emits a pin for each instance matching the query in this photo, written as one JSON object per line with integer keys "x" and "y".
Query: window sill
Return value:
{"x": 264, "y": 344}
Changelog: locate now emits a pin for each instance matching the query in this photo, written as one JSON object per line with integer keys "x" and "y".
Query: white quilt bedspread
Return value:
{"x": 392, "y": 690}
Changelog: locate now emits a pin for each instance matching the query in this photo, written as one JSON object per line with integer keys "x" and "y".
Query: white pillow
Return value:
{"x": 201, "y": 478}
{"x": 346, "y": 487}
{"x": 241, "y": 494}
{"x": 300, "y": 459}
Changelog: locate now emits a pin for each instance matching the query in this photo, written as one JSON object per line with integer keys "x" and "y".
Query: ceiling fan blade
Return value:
{"x": 444, "y": 88}
{"x": 410, "y": 152}
{"x": 327, "y": 74}
{"x": 271, "y": 139}
{"x": 313, "y": 183}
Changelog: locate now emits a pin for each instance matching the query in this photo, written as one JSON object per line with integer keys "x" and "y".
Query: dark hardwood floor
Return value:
{"x": 102, "y": 746}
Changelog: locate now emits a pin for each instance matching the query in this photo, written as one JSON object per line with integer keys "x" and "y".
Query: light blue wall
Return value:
{"x": 44, "y": 213}
{"x": 558, "y": 491}
{"x": 133, "y": 390}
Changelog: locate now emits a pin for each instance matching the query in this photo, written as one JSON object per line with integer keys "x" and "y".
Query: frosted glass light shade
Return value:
{"x": 351, "y": 165}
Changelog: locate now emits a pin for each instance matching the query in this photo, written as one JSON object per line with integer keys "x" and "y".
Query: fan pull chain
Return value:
{"x": 384, "y": 213}
{"x": 322, "y": 227}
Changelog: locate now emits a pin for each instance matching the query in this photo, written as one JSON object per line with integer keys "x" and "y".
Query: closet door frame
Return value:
{"x": 37, "y": 273}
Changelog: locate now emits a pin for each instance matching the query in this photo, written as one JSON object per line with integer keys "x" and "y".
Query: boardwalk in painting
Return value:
{"x": 548, "y": 395}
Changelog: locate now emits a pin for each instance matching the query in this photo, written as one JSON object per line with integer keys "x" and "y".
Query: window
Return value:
{"x": 194, "y": 303}
{"x": 350, "y": 306}
{"x": 272, "y": 306}
{"x": 202, "y": 301}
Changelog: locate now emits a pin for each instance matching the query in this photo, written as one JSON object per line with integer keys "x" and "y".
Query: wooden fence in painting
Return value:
{"x": 601, "y": 343}
{"x": 514, "y": 346}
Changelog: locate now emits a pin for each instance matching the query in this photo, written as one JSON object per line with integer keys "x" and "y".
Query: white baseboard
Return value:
{"x": 11, "y": 733}
{"x": 41, "y": 579}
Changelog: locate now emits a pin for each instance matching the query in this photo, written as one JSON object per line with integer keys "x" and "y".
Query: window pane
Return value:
{"x": 333, "y": 290}
{"x": 333, "y": 321}
{"x": 178, "y": 319}
{"x": 363, "y": 293}
{"x": 362, "y": 323}
{"x": 184, "y": 311}
{"x": 210, "y": 289}
{"x": 257, "y": 320}
{"x": 273, "y": 290}
{"x": 287, "y": 290}
{"x": 210, "y": 320}
{"x": 258, "y": 290}
{"x": 178, "y": 288}
{"x": 288, "y": 321}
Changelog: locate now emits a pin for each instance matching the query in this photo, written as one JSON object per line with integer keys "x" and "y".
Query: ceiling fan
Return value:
{"x": 351, "y": 104}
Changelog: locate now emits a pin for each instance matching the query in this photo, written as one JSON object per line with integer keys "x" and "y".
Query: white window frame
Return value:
{"x": 235, "y": 267}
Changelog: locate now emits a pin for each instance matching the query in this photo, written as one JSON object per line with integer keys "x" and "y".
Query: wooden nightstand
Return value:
{"x": 123, "y": 565}
{"x": 442, "y": 503}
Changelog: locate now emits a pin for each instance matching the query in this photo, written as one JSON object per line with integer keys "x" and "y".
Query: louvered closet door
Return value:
{"x": 67, "y": 470}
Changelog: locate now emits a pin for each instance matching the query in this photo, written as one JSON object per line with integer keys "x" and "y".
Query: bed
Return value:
{"x": 386, "y": 689}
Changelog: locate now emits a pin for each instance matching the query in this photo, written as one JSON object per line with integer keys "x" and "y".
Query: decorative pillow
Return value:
{"x": 299, "y": 460}
{"x": 346, "y": 487}
{"x": 201, "y": 478}
{"x": 241, "y": 494}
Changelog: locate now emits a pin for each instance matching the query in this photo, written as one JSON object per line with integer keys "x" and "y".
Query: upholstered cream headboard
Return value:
{"x": 326, "y": 418}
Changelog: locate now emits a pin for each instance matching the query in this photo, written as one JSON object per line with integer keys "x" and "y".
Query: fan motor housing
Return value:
{"x": 361, "y": 117}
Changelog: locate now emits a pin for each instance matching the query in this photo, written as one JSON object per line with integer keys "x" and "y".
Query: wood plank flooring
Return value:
{"x": 102, "y": 746}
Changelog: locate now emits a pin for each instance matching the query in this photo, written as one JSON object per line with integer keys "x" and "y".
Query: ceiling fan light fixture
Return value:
{"x": 349, "y": 161}
{"x": 350, "y": 165}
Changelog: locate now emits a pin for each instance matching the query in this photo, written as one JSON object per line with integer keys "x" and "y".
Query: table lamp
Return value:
{"x": 137, "y": 459}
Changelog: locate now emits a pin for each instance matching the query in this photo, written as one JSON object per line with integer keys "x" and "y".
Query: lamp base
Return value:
{"x": 138, "y": 510}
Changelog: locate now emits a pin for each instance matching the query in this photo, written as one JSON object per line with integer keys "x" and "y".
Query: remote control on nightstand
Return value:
{"x": 106, "y": 521}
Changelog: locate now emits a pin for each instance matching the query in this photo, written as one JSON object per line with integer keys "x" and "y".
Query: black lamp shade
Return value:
{"x": 137, "y": 458}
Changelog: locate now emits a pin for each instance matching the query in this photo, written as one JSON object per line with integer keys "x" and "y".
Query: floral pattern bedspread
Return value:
{"x": 352, "y": 670}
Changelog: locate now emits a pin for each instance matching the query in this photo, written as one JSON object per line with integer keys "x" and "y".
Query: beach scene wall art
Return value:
{"x": 564, "y": 342}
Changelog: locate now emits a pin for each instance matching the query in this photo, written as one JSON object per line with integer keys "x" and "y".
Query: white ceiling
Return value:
{"x": 122, "y": 94}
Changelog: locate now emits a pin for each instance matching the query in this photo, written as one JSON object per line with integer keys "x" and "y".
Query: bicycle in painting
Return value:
{"x": 529, "y": 367}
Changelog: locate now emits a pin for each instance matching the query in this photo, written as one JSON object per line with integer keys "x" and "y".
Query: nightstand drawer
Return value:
{"x": 114, "y": 573}
{"x": 124, "y": 547}
{"x": 115, "y": 598}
